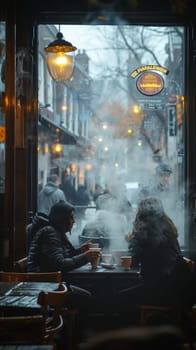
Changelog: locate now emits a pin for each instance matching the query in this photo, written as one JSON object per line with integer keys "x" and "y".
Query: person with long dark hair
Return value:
{"x": 153, "y": 245}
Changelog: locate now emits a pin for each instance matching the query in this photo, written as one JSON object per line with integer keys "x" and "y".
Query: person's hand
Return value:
{"x": 85, "y": 246}
{"x": 92, "y": 255}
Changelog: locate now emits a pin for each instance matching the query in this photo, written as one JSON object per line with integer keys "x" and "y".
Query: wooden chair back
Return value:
{"x": 7, "y": 276}
{"x": 21, "y": 265}
{"x": 49, "y": 299}
{"x": 169, "y": 313}
{"x": 53, "y": 299}
{"x": 22, "y": 330}
{"x": 53, "y": 305}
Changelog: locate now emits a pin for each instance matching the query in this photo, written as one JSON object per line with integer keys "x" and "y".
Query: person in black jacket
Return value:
{"x": 50, "y": 194}
{"x": 51, "y": 250}
{"x": 39, "y": 220}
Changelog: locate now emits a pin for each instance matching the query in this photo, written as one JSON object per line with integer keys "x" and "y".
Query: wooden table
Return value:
{"x": 104, "y": 285}
{"x": 103, "y": 281}
{"x": 18, "y": 298}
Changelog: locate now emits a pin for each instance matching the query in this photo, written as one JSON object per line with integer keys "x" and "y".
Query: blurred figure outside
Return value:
{"x": 82, "y": 200}
{"x": 115, "y": 200}
{"x": 164, "y": 186}
{"x": 98, "y": 190}
{"x": 50, "y": 194}
{"x": 68, "y": 188}
{"x": 83, "y": 197}
{"x": 39, "y": 220}
{"x": 160, "y": 184}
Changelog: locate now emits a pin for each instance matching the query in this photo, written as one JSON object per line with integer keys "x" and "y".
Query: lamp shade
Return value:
{"x": 60, "y": 56}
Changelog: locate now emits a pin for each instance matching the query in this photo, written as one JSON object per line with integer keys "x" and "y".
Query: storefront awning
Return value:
{"x": 55, "y": 133}
{"x": 51, "y": 132}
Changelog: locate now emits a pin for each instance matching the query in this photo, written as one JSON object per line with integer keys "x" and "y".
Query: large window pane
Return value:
{"x": 124, "y": 106}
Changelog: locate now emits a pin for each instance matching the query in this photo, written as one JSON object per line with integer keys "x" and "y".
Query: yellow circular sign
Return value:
{"x": 2, "y": 133}
{"x": 150, "y": 83}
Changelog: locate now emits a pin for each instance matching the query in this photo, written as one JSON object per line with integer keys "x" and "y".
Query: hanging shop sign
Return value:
{"x": 150, "y": 83}
{"x": 150, "y": 80}
{"x": 147, "y": 68}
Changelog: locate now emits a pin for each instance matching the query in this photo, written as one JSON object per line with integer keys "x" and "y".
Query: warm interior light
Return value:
{"x": 88, "y": 167}
{"x": 136, "y": 109}
{"x": 60, "y": 66}
{"x": 104, "y": 126}
{"x": 57, "y": 148}
{"x": 60, "y": 59}
{"x": 64, "y": 108}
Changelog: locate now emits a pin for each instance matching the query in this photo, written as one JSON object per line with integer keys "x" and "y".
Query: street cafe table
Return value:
{"x": 104, "y": 284}
{"x": 103, "y": 281}
{"x": 20, "y": 298}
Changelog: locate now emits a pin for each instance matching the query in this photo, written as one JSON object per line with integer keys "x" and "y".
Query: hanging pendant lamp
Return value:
{"x": 60, "y": 56}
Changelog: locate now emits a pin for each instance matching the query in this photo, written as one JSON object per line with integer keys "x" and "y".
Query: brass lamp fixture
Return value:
{"x": 60, "y": 56}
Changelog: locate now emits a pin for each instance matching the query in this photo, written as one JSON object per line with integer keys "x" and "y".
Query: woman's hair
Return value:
{"x": 150, "y": 206}
{"x": 60, "y": 214}
{"x": 151, "y": 220}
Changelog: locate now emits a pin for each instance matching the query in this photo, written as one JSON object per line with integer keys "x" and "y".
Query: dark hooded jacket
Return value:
{"x": 48, "y": 196}
{"x": 50, "y": 249}
{"x": 39, "y": 220}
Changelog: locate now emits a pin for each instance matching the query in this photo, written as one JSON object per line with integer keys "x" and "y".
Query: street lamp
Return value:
{"x": 136, "y": 109}
{"x": 60, "y": 58}
{"x": 57, "y": 148}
